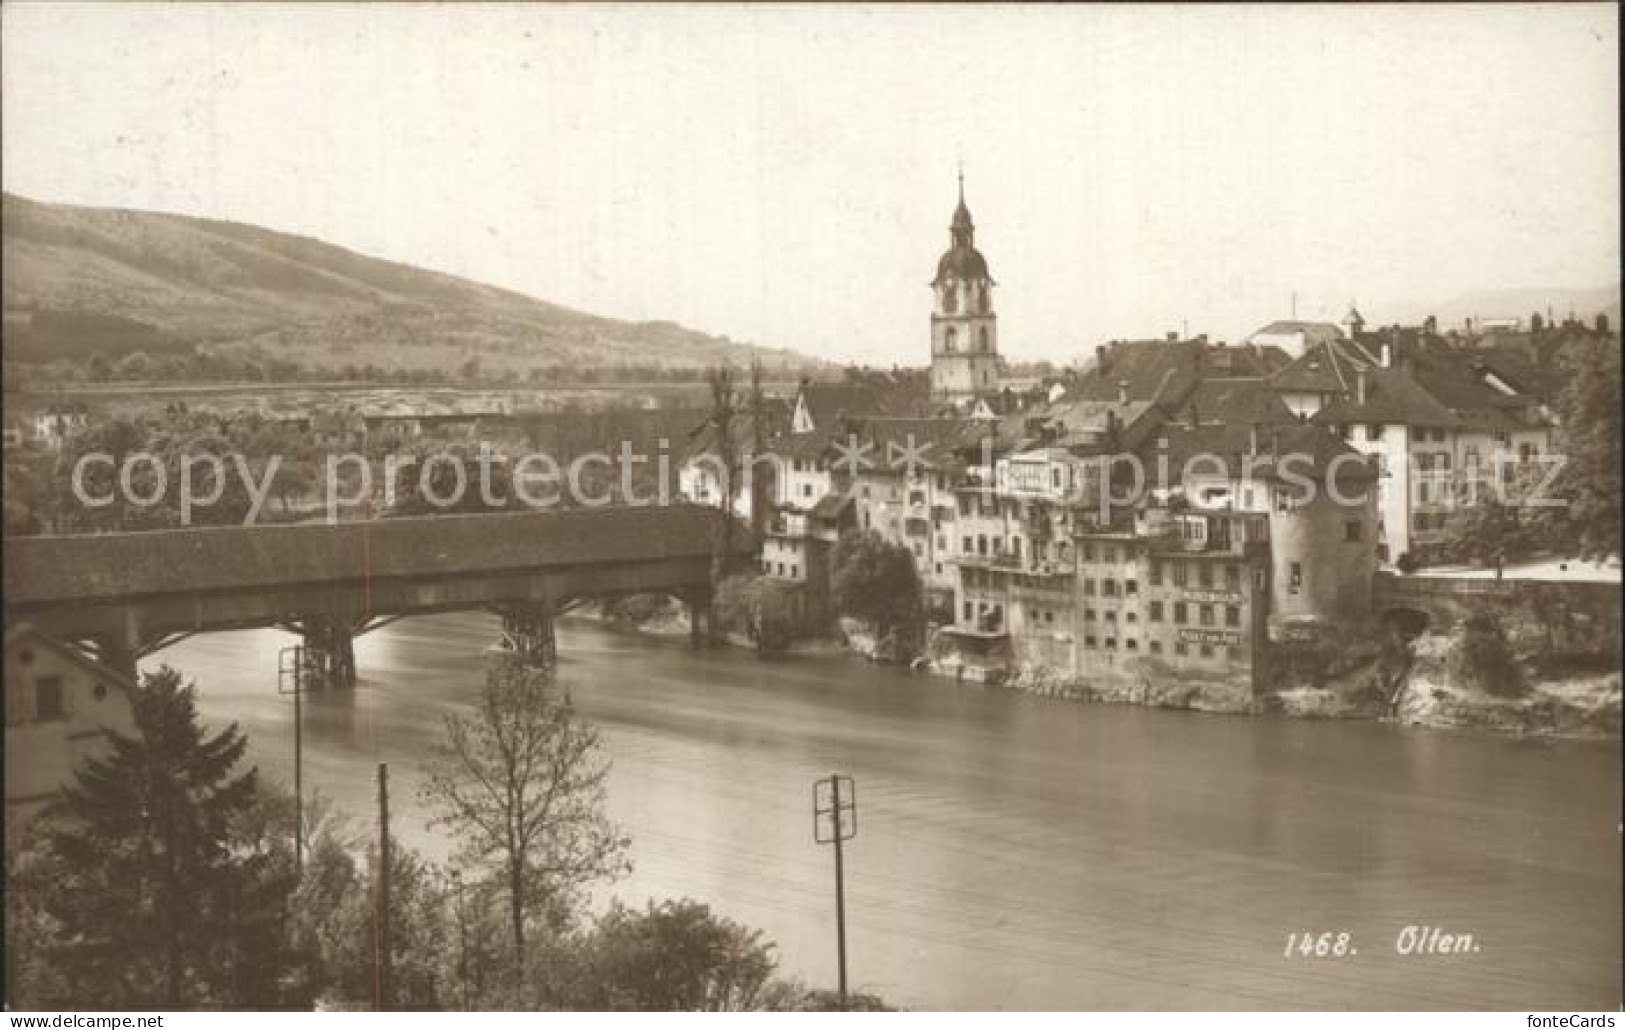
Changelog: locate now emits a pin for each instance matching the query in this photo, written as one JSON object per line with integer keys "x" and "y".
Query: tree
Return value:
{"x": 760, "y": 607}
{"x": 155, "y": 891}
{"x": 1489, "y": 532}
{"x": 1588, "y": 436}
{"x": 876, "y": 582}
{"x": 762, "y": 471}
{"x": 675, "y": 957}
{"x": 1482, "y": 658}
{"x": 720, "y": 423}
{"x": 336, "y": 923}
{"x": 521, "y": 783}
{"x": 134, "y": 365}
{"x": 98, "y": 367}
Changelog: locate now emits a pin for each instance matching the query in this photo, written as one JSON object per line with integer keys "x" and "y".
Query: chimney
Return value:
{"x": 1360, "y": 377}
{"x": 1602, "y": 325}
{"x": 1386, "y": 357}
{"x": 1252, "y": 438}
{"x": 1100, "y": 358}
{"x": 1122, "y": 391}
{"x": 1172, "y": 336}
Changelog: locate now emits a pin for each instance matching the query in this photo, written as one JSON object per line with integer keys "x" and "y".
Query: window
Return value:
{"x": 1088, "y": 587}
{"x": 1111, "y": 615}
{"x": 1181, "y": 613}
{"x": 1156, "y": 573}
{"x": 1374, "y": 431}
{"x": 795, "y": 571}
{"x": 1108, "y": 587}
{"x": 1232, "y": 615}
{"x": 1180, "y": 648}
{"x": 1205, "y": 612}
{"x": 1088, "y": 641}
{"x": 1296, "y": 577}
{"x": 1353, "y": 531}
{"x": 1155, "y": 615}
{"x": 1382, "y": 552}
{"x": 1131, "y": 644}
{"x": 1049, "y": 616}
{"x": 1204, "y": 576}
{"x": 1233, "y": 653}
{"x": 1131, "y": 587}
{"x": 1130, "y": 617}
{"x": 1156, "y": 647}
{"x": 1111, "y": 643}
{"x": 1088, "y": 552}
{"x": 1207, "y": 650}
{"x": 1232, "y": 578}
{"x": 969, "y": 613}
{"x": 1181, "y": 574}
{"x": 967, "y": 547}
{"x": 48, "y": 698}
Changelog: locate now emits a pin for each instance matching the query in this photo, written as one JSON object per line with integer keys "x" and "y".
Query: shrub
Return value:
{"x": 1481, "y": 658}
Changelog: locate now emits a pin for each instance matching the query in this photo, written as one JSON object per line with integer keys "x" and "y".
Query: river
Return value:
{"x": 1021, "y": 852}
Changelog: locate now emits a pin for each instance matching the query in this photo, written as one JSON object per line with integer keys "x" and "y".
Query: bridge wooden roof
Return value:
{"x": 64, "y": 569}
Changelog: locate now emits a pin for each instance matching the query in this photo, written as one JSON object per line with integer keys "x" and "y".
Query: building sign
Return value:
{"x": 1210, "y": 597}
{"x": 1210, "y": 636}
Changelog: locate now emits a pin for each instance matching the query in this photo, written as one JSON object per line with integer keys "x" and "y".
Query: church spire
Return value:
{"x": 962, "y": 230}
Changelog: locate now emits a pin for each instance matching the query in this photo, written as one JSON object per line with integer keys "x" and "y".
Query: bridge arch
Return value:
{"x": 1405, "y": 622}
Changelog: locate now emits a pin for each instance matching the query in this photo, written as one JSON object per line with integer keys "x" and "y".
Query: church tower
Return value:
{"x": 964, "y": 329}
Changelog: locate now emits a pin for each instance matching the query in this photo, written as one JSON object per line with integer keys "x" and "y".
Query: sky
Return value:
{"x": 786, "y": 175}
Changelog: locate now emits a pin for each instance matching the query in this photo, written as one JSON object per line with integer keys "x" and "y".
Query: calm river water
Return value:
{"x": 1019, "y": 852}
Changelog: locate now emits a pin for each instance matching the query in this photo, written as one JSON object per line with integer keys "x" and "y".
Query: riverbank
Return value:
{"x": 1356, "y": 684}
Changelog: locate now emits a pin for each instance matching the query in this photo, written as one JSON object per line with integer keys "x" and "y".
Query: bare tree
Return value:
{"x": 762, "y": 471}
{"x": 724, "y": 410}
{"x": 521, "y": 783}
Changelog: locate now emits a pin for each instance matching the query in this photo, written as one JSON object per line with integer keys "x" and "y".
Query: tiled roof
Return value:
{"x": 1322, "y": 368}
{"x": 1165, "y": 371}
{"x": 831, "y": 506}
{"x": 65, "y": 569}
{"x": 1242, "y": 400}
{"x": 1392, "y": 395}
{"x": 1297, "y": 448}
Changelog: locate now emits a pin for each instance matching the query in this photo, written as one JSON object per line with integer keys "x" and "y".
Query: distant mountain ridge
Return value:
{"x": 1557, "y": 302}
{"x": 85, "y": 278}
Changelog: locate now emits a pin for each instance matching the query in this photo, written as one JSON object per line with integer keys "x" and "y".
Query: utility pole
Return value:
{"x": 291, "y": 680}
{"x": 383, "y": 983}
{"x": 835, "y": 819}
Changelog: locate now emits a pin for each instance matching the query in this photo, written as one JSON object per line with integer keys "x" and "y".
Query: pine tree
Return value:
{"x": 159, "y": 901}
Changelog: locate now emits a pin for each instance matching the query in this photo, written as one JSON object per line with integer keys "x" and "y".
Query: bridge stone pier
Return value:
{"x": 127, "y": 595}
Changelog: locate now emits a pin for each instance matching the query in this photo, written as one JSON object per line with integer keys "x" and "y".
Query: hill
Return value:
{"x": 81, "y": 279}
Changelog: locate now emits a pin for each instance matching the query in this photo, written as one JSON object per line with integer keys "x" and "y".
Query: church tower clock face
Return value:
{"x": 964, "y": 327}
